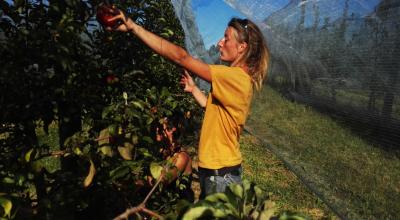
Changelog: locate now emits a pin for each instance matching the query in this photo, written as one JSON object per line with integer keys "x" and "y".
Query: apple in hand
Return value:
{"x": 104, "y": 14}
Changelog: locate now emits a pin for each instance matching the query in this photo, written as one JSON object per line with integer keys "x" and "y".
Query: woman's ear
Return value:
{"x": 242, "y": 47}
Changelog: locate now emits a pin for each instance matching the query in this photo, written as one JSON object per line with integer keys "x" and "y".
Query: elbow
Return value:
{"x": 181, "y": 56}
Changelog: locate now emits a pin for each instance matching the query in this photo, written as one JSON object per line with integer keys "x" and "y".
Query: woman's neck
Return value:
{"x": 240, "y": 65}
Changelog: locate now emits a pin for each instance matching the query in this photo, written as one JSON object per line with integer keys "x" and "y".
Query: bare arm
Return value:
{"x": 191, "y": 87}
{"x": 199, "y": 96}
{"x": 163, "y": 47}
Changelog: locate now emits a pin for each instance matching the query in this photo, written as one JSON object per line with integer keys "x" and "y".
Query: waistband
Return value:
{"x": 234, "y": 170}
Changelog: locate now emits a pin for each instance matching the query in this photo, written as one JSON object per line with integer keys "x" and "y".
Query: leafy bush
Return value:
{"x": 240, "y": 201}
{"x": 87, "y": 100}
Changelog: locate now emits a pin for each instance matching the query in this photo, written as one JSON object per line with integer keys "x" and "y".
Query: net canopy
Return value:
{"x": 341, "y": 57}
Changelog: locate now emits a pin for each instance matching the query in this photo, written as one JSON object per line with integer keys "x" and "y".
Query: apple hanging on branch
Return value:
{"x": 111, "y": 79}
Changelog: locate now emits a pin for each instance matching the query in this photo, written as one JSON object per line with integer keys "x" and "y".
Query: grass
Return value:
{"x": 359, "y": 180}
{"x": 357, "y": 98}
{"x": 262, "y": 167}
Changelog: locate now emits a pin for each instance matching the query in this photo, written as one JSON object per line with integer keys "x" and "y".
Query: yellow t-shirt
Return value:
{"x": 226, "y": 112}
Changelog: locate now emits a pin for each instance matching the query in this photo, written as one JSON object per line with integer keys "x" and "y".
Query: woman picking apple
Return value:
{"x": 228, "y": 103}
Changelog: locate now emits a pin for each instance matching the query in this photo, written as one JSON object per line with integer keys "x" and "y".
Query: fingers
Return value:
{"x": 186, "y": 74}
{"x": 184, "y": 78}
{"x": 114, "y": 10}
{"x": 117, "y": 17}
{"x": 184, "y": 81}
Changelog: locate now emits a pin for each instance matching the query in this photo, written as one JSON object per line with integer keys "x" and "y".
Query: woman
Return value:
{"x": 227, "y": 105}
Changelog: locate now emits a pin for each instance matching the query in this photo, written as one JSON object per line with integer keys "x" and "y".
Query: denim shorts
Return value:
{"x": 214, "y": 184}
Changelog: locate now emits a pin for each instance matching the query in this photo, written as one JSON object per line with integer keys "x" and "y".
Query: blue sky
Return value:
{"x": 212, "y": 17}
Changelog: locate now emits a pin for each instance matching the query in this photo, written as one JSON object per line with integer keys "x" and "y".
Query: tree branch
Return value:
{"x": 152, "y": 213}
{"x": 129, "y": 212}
{"x": 154, "y": 187}
{"x": 142, "y": 206}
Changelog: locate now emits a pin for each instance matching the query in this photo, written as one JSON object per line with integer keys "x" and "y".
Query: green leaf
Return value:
{"x": 112, "y": 130}
{"x": 174, "y": 105}
{"x": 254, "y": 215}
{"x": 289, "y": 216}
{"x": 106, "y": 150}
{"x": 237, "y": 189}
{"x": 194, "y": 213}
{"x": 220, "y": 212}
{"x": 269, "y": 205}
{"x": 104, "y": 137}
{"x": 162, "y": 20}
{"x": 164, "y": 93}
{"x": 126, "y": 151}
{"x": 89, "y": 178}
{"x": 217, "y": 197}
{"x": 119, "y": 172}
{"x": 149, "y": 120}
{"x": 182, "y": 205}
{"x": 138, "y": 105}
{"x": 259, "y": 194}
{"x": 246, "y": 185}
{"x": 77, "y": 151}
{"x": 266, "y": 214}
{"x": 20, "y": 180}
{"x": 7, "y": 206}
{"x": 106, "y": 111}
{"x": 148, "y": 139}
{"x": 28, "y": 155}
{"x": 8, "y": 180}
{"x": 135, "y": 139}
{"x": 24, "y": 31}
{"x": 167, "y": 32}
{"x": 155, "y": 170}
{"x": 145, "y": 152}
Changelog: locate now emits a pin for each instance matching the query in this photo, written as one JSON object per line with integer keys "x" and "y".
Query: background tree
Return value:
{"x": 88, "y": 97}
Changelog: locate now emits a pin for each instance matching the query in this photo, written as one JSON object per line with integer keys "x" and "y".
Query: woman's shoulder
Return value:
{"x": 222, "y": 71}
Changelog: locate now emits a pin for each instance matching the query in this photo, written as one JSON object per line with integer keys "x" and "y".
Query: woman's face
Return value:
{"x": 229, "y": 47}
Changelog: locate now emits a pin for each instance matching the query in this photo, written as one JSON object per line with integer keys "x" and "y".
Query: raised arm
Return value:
{"x": 161, "y": 46}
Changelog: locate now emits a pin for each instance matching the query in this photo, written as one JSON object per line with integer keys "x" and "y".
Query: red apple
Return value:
{"x": 103, "y": 15}
{"x": 111, "y": 79}
{"x": 153, "y": 109}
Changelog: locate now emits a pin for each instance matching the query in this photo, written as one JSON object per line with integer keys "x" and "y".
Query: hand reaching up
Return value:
{"x": 187, "y": 82}
{"x": 124, "y": 23}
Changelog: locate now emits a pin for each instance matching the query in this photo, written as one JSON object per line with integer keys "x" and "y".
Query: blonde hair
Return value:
{"x": 256, "y": 55}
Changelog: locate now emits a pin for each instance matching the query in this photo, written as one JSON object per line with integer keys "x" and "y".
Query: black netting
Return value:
{"x": 341, "y": 57}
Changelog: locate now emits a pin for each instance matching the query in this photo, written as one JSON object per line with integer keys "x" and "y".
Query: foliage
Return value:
{"x": 102, "y": 93}
{"x": 240, "y": 201}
